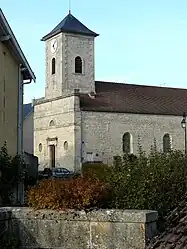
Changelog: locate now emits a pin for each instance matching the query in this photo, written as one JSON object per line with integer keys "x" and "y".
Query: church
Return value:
{"x": 82, "y": 120}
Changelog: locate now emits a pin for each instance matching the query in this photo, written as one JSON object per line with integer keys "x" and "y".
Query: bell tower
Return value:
{"x": 69, "y": 58}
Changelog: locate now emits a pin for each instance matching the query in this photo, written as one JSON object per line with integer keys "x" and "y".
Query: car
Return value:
{"x": 61, "y": 173}
{"x": 47, "y": 173}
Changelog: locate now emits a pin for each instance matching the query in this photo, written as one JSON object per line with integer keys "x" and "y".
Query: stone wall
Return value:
{"x": 65, "y": 80}
{"x": 64, "y": 128}
{"x": 102, "y": 229}
{"x": 108, "y": 130}
{"x": 83, "y": 46}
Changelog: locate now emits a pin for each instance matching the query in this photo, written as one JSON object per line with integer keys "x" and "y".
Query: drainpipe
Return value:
{"x": 81, "y": 147}
{"x": 19, "y": 137}
{"x": 78, "y": 148}
{"x": 20, "y": 112}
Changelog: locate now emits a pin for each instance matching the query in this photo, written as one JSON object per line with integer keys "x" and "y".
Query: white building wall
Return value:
{"x": 102, "y": 132}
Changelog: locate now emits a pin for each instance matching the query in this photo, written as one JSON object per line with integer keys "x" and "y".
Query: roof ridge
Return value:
{"x": 138, "y": 85}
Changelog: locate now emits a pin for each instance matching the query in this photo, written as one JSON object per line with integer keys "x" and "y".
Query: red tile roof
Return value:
{"x": 127, "y": 98}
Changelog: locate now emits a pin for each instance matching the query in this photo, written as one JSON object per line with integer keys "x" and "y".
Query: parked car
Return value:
{"x": 61, "y": 173}
{"x": 47, "y": 173}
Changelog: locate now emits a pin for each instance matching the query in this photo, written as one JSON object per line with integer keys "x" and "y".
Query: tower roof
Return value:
{"x": 70, "y": 24}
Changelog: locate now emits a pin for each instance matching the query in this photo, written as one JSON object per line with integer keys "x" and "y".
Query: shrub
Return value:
{"x": 79, "y": 193}
{"x": 96, "y": 170}
{"x": 156, "y": 181}
{"x": 12, "y": 172}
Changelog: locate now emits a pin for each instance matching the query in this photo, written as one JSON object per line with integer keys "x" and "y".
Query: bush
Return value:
{"x": 12, "y": 172}
{"x": 157, "y": 181}
{"x": 79, "y": 193}
{"x": 96, "y": 170}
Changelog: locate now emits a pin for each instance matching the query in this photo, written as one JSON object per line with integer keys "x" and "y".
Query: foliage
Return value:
{"x": 12, "y": 172}
{"x": 9, "y": 241}
{"x": 95, "y": 170}
{"x": 78, "y": 193}
{"x": 156, "y": 181}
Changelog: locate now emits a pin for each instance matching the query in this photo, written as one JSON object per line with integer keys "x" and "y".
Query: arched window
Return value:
{"x": 53, "y": 66}
{"x": 127, "y": 143}
{"x": 51, "y": 123}
{"x": 166, "y": 143}
{"x": 65, "y": 145}
{"x": 78, "y": 64}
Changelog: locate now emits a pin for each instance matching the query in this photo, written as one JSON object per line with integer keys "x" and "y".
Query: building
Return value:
{"x": 83, "y": 120}
{"x": 28, "y": 128}
{"x": 15, "y": 71}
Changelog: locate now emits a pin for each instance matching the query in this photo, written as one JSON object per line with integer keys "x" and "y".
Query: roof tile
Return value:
{"x": 175, "y": 235}
{"x": 127, "y": 98}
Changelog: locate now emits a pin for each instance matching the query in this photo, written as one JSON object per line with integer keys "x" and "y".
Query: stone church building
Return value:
{"x": 83, "y": 120}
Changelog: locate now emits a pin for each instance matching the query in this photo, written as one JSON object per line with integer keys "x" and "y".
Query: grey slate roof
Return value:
{"x": 129, "y": 98}
{"x": 70, "y": 25}
{"x": 27, "y": 109}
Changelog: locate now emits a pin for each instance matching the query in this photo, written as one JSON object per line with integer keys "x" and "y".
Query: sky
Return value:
{"x": 141, "y": 41}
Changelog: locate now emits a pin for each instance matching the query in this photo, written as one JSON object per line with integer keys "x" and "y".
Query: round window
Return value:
{"x": 40, "y": 147}
{"x": 65, "y": 145}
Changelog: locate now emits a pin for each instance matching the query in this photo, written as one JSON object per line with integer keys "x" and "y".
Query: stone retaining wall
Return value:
{"x": 101, "y": 229}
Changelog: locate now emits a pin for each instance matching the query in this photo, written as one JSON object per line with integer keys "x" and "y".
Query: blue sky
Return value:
{"x": 140, "y": 42}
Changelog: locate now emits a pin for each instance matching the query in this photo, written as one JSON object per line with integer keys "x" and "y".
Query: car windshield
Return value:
{"x": 61, "y": 170}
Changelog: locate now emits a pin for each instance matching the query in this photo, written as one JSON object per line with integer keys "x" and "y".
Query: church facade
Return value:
{"x": 83, "y": 120}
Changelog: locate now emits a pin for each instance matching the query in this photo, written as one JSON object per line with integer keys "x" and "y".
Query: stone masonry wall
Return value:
{"x": 102, "y": 132}
{"x": 101, "y": 229}
{"x": 65, "y": 80}
{"x": 62, "y": 113}
{"x": 53, "y": 87}
{"x": 83, "y": 46}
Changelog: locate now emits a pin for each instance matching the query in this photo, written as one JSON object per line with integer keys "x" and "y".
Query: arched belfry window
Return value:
{"x": 53, "y": 66}
{"x": 166, "y": 143}
{"x": 126, "y": 142}
{"x": 78, "y": 64}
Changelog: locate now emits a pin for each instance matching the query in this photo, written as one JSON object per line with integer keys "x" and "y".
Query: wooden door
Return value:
{"x": 52, "y": 155}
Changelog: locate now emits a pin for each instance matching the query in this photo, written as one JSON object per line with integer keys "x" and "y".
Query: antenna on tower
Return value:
{"x": 69, "y": 6}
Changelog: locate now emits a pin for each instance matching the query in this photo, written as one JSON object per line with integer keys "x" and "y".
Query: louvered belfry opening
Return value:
{"x": 78, "y": 65}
